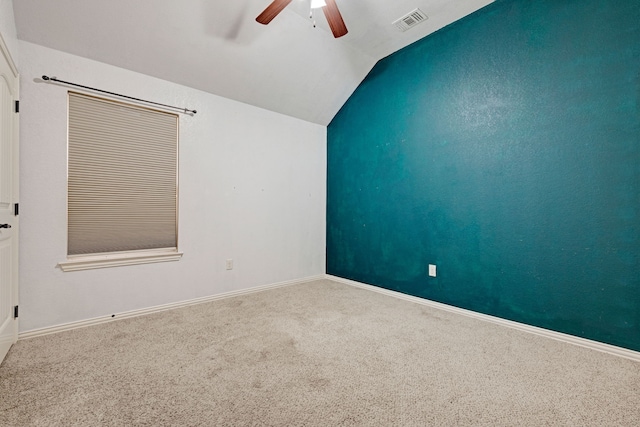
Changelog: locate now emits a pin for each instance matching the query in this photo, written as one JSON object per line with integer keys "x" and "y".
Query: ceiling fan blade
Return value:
{"x": 272, "y": 11}
{"x": 338, "y": 28}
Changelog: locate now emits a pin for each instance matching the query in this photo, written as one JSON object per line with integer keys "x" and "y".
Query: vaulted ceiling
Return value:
{"x": 217, "y": 46}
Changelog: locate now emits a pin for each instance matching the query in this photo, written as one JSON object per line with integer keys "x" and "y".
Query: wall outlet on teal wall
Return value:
{"x": 432, "y": 270}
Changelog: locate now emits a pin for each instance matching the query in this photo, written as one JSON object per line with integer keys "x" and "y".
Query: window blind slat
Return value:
{"x": 122, "y": 177}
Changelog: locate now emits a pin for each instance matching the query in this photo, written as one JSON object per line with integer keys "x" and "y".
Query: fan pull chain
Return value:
{"x": 311, "y": 15}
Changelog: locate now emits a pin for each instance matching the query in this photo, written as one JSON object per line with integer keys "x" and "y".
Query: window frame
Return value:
{"x": 88, "y": 261}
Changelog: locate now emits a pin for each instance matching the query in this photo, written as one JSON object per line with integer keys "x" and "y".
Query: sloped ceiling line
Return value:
{"x": 287, "y": 67}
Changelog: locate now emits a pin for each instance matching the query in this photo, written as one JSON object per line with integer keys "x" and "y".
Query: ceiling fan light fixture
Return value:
{"x": 317, "y": 4}
{"x": 329, "y": 7}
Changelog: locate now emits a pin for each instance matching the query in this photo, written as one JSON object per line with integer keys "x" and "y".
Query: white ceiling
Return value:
{"x": 216, "y": 46}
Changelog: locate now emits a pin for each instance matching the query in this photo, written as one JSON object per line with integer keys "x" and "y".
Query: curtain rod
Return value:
{"x": 182, "y": 110}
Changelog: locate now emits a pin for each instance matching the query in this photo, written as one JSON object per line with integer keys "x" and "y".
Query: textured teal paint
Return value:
{"x": 504, "y": 148}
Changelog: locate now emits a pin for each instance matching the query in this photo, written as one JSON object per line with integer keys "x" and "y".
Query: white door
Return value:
{"x": 8, "y": 201}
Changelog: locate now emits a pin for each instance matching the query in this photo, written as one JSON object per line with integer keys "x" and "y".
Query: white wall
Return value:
{"x": 8, "y": 28}
{"x": 252, "y": 188}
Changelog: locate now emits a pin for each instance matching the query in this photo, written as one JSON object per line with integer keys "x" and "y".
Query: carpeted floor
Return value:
{"x": 316, "y": 354}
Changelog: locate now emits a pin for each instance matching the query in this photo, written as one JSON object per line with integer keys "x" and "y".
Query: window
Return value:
{"x": 122, "y": 184}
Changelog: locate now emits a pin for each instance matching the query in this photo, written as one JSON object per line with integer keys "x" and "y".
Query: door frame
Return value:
{"x": 4, "y": 51}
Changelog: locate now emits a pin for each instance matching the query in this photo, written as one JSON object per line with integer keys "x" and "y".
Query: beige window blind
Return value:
{"x": 122, "y": 193}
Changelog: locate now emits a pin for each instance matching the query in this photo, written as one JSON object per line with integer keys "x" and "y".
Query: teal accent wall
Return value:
{"x": 505, "y": 149}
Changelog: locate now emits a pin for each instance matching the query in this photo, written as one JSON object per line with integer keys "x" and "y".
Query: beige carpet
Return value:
{"x": 316, "y": 354}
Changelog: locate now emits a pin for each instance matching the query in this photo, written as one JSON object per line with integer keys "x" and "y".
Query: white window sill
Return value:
{"x": 117, "y": 259}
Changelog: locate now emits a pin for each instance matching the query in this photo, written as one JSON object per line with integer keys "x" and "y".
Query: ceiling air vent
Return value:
{"x": 411, "y": 19}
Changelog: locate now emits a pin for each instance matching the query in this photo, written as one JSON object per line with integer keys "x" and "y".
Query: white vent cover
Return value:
{"x": 411, "y": 19}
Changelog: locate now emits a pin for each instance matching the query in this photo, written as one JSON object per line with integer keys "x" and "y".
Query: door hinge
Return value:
{"x": 17, "y": 106}
{"x": 15, "y": 311}
{"x": 16, "y": 209}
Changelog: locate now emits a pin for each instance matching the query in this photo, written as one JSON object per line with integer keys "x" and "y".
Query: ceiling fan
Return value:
{"x": 329, "y": 7}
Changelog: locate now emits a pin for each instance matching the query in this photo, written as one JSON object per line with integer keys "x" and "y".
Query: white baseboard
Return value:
{"x": 582, "y": 342}
{"x": 140, "y": 312}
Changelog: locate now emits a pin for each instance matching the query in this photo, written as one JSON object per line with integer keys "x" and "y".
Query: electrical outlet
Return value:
{"x": 229, "y": 264}
{"x": 432, "y": 270}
